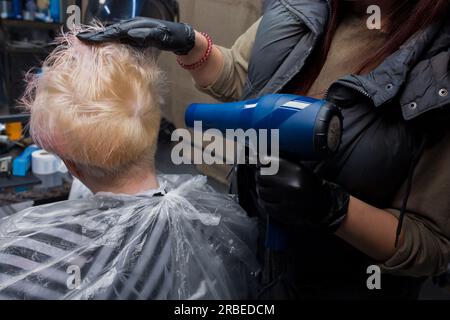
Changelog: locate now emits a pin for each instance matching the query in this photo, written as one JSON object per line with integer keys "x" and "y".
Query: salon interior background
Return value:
{"x": 225, "y": 21}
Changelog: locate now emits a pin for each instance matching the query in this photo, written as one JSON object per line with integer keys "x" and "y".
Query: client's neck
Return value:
{"x": 132, "y": 185}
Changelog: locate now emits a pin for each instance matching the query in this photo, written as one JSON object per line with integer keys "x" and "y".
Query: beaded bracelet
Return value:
{"x": 203, "y": 59}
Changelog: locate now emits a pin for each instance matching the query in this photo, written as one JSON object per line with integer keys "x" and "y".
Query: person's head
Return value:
{"x": 97, "y": 108}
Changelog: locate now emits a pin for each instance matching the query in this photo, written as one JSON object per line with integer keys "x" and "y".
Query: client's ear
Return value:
{"x": 73, "y": 169}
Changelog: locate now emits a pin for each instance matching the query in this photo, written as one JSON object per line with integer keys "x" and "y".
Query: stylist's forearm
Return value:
{"x": 370, "y": 230}
{"x": 207, "y": 73}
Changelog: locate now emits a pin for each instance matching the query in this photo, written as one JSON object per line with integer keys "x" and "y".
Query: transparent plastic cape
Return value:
{"x": 182, "y": 241}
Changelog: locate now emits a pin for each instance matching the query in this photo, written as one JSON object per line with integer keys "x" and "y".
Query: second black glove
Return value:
{"x": 297, "y": 196}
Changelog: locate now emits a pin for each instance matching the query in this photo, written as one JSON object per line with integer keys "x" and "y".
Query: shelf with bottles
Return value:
{"x": 44, "y": 11}
{"x": 34, "y": 24}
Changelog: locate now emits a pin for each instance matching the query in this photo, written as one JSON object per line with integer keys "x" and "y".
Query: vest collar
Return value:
{"x": 393, "y": 78}
{"x": 314, "y": 13}
{"x": 390, "y": 78}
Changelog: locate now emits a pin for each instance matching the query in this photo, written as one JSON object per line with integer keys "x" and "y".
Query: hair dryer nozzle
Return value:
{"x": 309, "y": 129}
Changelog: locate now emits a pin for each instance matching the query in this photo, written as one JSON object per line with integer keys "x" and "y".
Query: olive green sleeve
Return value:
{"x": 425, "y": 250}
{"x": 233, "y": 76}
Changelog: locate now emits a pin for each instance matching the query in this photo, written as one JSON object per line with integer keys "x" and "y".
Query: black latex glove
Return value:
{"x": 146, "y": 32}
{"x": 297, "y": 197}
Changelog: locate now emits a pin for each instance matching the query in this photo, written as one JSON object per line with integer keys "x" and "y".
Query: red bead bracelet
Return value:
{"x": 203, "y": 59}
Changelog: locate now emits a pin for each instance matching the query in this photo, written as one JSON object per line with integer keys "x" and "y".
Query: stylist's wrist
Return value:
{"x": 201, "y": 45}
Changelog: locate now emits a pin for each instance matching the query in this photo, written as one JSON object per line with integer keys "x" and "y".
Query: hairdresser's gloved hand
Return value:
{"x": 297, "y": 197}
{"x": 146, "y": 32}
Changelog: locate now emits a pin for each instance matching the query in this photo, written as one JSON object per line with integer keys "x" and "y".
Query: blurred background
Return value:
{"x": 27, "y": 30}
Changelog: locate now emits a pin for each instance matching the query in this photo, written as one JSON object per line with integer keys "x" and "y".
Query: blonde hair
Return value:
{"x": 96, "y": 105}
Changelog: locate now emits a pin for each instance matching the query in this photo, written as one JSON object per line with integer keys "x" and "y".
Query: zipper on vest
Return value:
{"x": 350, "y": 86}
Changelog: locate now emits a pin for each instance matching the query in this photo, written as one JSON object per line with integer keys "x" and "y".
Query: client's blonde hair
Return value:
{"x": 97, "y": 106}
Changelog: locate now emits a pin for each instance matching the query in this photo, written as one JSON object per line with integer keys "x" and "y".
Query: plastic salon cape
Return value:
{"x": 182, "y": 241}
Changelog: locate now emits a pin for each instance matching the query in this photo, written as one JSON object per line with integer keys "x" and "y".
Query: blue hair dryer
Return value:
{"x": 309, "y": 129}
